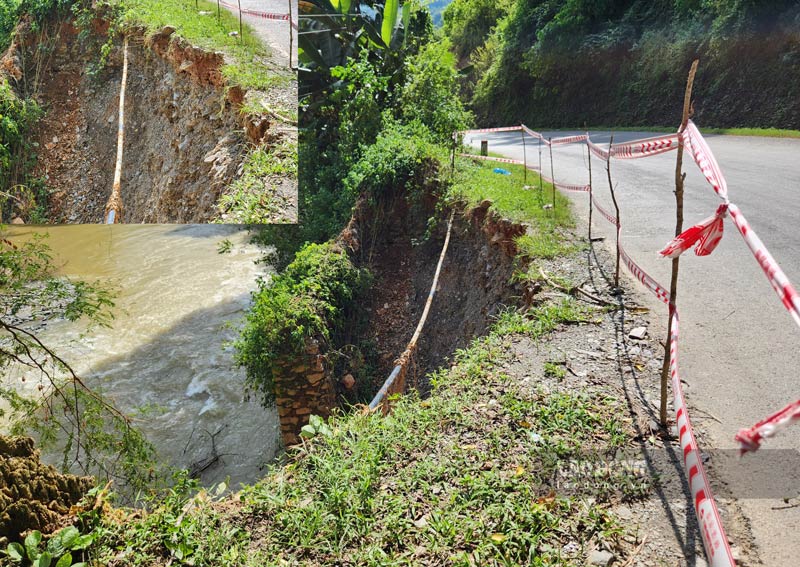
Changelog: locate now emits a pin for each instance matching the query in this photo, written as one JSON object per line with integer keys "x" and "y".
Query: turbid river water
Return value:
{"x": 178, "y": 301}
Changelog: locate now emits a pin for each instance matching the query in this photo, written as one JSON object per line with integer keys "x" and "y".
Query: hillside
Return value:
{"x": 571, "y": 63}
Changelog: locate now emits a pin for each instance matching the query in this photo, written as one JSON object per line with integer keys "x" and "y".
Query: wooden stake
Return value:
{"x": 241, "y": 31}
{"x": 291, "y": 34}
{"x": 616, "y": 210}
{"x": 673, "y": 285}
{"x": 524, "y": 159}
{"x": 219, "y": 15}
{"x": 541, "y": 187}
{"x": 552, "y": 175}
{"x": 589, "y": 151}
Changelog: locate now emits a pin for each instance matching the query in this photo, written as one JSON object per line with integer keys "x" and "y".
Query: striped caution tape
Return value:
{"x": 707, "y": 234}
{"x": 645, "y": 148}
{"x": 568, "y": 140}
{"x": 487, "y": 130}
{"x": 715, "y": 541}
{"x": 256, "y": 13}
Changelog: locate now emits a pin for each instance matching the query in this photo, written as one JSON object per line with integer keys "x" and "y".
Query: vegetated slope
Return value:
{"x": 570, "y": 63}
{"x": 207, "y": 135}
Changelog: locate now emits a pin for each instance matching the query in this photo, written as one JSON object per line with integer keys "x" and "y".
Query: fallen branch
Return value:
{"x": 575, "y": 290}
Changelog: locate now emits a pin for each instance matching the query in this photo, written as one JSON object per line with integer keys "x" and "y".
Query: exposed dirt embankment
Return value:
{"x": 474, "y": 285}
{"x": 33, "y": 496}
{"x": 185, "y": 137}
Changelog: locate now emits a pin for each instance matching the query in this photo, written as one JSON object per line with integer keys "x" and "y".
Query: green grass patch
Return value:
{"x": 246, "y": 64}
{"x": 519, "y": 198}
{"x": 249, "y": 199}
{"x": 460, "y": 478}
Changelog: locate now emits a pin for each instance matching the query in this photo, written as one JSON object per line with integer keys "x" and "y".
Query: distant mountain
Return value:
{"x": 437, "y": 7}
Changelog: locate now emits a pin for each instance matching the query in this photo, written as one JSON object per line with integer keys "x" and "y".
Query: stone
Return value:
{"x": 348, "y": 381}
{"x": 315, "y": 377}
{"x": 638, "y": 333}
{"x": 600, "y": 557}
{"x": 303, "y": 411}
{"x": 17, "y": 220}
{"x": 624, "y": 513}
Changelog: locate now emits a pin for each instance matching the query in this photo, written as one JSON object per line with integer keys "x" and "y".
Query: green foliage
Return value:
{"x": 468, "y": 22}
{"x": 249, "y": 199}
{"x": 60, "y": 550}
{"x": 246, "y": 63}
{"x": 429, "y": 92}
{"x": 312, "y": 298}
{"x": 182, "y": 525}
{"x": 19, "y": 193}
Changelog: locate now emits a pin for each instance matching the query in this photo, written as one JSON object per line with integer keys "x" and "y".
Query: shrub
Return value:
{"x": 311, "y": 298}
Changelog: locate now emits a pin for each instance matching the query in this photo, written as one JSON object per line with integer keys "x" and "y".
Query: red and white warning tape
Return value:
{"x": 255, "y": 13}
{"x": 715, "y": 541}
{"x": 645, "y": 148}
{"x": 486, "y": 130}
{"x": 568, "y": 140}
{"x": 707, "y": 234}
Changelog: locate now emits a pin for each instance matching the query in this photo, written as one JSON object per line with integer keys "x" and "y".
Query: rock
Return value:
{"x": 603, "y": 558}
{"x": 348, "y": 381}
{"x": 638, "y": 333}
{"x": 17, "y": 220}
{"x": 624, "y": 513}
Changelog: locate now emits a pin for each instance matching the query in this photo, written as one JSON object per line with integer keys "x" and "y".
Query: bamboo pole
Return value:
{"x": 616, "y": 210}
{"x": 219, "y": 14}
{"x": 241, "y": 30}
{"x": 673, "y": 284}
{"x": 113, "y": 211}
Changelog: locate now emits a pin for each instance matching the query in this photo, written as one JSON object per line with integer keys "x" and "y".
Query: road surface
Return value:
{"x": 739, "y": 348}
{"x": 275, "y": 33}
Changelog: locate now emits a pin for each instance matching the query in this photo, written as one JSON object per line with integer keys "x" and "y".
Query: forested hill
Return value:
{"x": 437, "y": 7}
{"x": 566, "y": 63}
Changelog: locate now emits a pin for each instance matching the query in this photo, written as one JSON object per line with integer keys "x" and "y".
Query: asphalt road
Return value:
{"x": 739, "y": 350}
{"x": 275, "y": 33}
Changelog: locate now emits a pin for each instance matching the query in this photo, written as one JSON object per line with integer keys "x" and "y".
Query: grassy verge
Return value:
{"x": 246, "y": 64}
{"x": 476, "y": 182}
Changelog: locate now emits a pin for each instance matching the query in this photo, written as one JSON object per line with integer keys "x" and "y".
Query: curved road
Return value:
{"x": 274, "y": 33}
{"x": 739, "y": 349}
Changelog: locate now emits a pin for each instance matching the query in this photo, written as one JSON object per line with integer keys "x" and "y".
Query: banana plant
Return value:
{"x": 333, "y": 31}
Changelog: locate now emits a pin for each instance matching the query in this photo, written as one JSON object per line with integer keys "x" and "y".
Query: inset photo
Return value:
{"x": 148, "y": 111}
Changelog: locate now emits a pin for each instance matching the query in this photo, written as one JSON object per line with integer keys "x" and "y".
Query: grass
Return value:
{"x": 248, "y": 200}
{"x": 476, "y": 182}
{"x": 246, "y": 64}
{"x": 473, "y": 475}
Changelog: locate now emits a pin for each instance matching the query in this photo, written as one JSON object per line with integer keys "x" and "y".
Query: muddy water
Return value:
{"x": 178, "y": 301}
